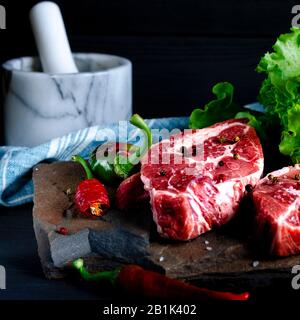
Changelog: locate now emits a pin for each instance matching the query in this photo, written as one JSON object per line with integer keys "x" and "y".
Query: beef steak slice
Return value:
{"x": 277, "y": 202}
{"x": 197, "y": 178}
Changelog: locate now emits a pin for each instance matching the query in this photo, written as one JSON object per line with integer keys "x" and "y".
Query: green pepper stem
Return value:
{"x": 104, "y": 275}
{"x": 124, "y": 165}
{"x": 140, "y": 123}
{"x": 85, "y": 165}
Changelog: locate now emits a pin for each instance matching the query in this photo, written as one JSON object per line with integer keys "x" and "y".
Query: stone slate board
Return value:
{"x": 120, "y": 238}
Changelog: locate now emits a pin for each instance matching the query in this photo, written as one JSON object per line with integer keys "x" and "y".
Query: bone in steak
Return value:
{"x": 277, "y": 203}
{"x": 196, "y": 179}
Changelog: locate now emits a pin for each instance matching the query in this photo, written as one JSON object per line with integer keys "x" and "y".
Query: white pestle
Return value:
{"x": 51, "y": 39}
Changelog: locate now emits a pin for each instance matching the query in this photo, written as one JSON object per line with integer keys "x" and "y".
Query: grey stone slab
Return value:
{"x": 65, "y": 249}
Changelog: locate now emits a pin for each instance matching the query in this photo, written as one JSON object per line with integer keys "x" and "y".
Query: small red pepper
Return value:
{"x": 138, "y": 281}
{"x": 91, "y": 197}
{"x": 63, "y": 231}
{"x": 131, "y": 194}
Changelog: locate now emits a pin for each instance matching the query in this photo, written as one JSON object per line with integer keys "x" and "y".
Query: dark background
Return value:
{"x": 179, "y": 49}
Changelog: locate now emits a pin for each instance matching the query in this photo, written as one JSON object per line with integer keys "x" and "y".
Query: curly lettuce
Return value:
{"x": 221, "y": 108}
{"x": 280, "y": 91}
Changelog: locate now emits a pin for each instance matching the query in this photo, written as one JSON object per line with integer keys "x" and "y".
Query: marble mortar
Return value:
{"x": 40, "y": 106}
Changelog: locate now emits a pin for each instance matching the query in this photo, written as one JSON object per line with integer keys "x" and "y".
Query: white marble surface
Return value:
{"x": 39, "y": 106}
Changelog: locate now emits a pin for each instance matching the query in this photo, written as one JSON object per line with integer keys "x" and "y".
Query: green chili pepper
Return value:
{"x": 124, "y": 165}
{"x": 102, "y": 161}
{"x": 114, "y": 161}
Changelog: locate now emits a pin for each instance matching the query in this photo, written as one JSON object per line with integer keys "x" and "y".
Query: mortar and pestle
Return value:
{"x": 61, "y": 92}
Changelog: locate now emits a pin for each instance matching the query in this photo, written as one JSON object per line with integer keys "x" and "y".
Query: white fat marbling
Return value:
{"x": 39, "y": 106}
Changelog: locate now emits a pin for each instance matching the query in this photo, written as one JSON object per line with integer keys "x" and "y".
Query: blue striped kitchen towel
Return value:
{"x": 16, "y": 163}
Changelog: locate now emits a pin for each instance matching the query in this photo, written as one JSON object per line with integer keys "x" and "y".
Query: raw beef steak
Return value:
{"x": 277, "y": 203}
{"x": 197, "y": 178}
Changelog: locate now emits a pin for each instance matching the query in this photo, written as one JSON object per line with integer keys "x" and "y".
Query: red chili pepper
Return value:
{"x": 63, "y": 231}
{"x": 135, "y": 280}
{"x": 131, "y": 194}
{"x": 91, "y": 197}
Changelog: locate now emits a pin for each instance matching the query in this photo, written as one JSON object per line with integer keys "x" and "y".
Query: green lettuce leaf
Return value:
{"x": 219, "y": 109}
{"x": 290, "y": 139}
{"x": 284, "y": 62}
{"x": 280, "y": 91}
